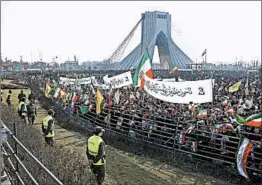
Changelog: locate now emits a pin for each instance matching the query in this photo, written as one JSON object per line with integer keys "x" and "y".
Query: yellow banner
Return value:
{"x": 235, "y": 87}
{"x": 99, "y": 99}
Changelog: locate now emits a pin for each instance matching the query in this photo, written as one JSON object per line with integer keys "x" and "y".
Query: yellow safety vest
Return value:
{"x": 45, "y": 124}
{"x": 93, "y": 147}
{"x": 25, "y": 109}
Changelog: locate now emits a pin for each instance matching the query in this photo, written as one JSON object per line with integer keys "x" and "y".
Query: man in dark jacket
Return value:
{"x": 9, "y": 97}
{"x": 21, "y": 95}
{"x": 32, "y": 96}
{"x": 31, "y": 112}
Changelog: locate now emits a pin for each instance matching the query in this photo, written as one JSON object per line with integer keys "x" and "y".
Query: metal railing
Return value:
{"x": 14, "y": 169}
{"x": 163, "y": 139}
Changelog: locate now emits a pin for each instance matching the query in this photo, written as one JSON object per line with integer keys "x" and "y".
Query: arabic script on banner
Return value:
{"x": 119, "y": 81}
{"x": 180, "y": 92}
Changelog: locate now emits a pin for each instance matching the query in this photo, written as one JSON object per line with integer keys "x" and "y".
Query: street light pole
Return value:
{"x": 1, "y": 128}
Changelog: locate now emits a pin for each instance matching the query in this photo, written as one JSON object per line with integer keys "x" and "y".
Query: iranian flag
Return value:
{"x": 225, "y": 102}
{"x": 254, "y": 120}
{"x": 57, "y": 93}
{"x": 226, "y": 126}
{"x": 241, "y": 156}
{"x": 74, "y": 99}
{"x": 191, "y": 106}
{"x": 144, "y": 68}
{"x": 202, "y": 113}
{"x": 175, "y": 69}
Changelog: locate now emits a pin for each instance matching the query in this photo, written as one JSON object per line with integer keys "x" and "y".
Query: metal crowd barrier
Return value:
{"x": 91, "y": 119}
{"x": 162, "y": 140}
{"x": 14, "y": 171}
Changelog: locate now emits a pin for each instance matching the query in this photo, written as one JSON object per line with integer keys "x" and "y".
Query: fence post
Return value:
{"x": 16, "y": 150}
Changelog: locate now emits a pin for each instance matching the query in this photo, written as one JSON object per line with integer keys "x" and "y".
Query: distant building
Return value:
{"x": 39, "y": 65}
{"x": 70, "y": 65}
{"x": 94, "y": 65}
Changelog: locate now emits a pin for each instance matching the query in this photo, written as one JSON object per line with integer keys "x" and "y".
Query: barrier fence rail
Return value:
{"x": 14, "y": 170}
{"x": 167, "y": 139}
{"x": 168, "y": 142}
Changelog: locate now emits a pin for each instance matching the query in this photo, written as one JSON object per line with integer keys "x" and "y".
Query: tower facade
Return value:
{"x": 156, "y": 31}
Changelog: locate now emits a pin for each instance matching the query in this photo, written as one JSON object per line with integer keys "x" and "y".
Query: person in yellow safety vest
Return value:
{"x": 48, "y": 128}
{"x": 22, "y": 110}
{"x": 96, "y": 154}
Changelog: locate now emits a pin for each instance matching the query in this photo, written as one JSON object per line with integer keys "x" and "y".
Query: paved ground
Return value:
{"x": 124, "y": 168}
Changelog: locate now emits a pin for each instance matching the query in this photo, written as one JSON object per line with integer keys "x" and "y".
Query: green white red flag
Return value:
{"x": 243, "y": 151}
{"x": 74, "y": 100}
{"x": 202, "y": 113}
{"x": 254, "y": 120}
{"x": 57, "y": 93}
{"x": 175, "y": 69}
{"x": 144, "y": 68}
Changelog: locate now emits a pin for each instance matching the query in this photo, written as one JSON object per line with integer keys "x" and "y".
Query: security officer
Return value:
{"x": 96, "y": 154}
{"x": 48, "y": 128}
{"x": 22, "y": 110}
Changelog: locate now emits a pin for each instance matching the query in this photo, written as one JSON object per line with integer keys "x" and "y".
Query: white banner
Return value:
{"x": 66, "y": 80}
{"x": 77, "y": 81}
{"x": 180, "y": 92}
{"x": 119, "y": 81}
{"x": 181, "y": 80}
{"x": 86, "y": 80}
{"x": 173, "y": 80}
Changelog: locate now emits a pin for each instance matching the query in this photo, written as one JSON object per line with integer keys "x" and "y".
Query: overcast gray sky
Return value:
{"x": 93, "y": 30}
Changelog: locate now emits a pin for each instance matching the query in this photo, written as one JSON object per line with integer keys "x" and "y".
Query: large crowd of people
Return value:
{"x": 174, "y": 126}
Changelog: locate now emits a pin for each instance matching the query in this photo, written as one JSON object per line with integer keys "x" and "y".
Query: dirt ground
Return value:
{"x": 123, "y": 168}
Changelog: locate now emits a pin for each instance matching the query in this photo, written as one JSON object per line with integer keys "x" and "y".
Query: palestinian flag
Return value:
{"x": 175, "y": 69}
{"x": 243, "y": 151}
{"x": 57, "y": 93}
{"x": 254, "y": 120}
{"x": 202, "y": 113}
{"x": 144, "y": 68}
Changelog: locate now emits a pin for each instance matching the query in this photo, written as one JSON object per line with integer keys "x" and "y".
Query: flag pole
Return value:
{"x": 206, "y": 57}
